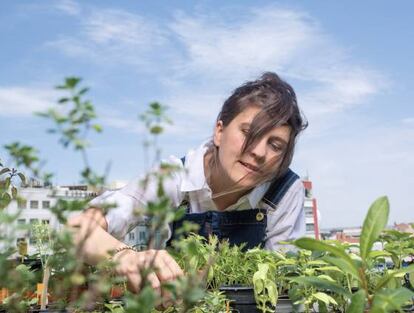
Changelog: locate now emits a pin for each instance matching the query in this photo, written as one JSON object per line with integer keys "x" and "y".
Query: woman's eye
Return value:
{"x": 245, "y": 131}
{"x": 276, "y": 147}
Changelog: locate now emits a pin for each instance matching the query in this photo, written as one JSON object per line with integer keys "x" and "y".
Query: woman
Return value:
{"x": 237, "y": 186}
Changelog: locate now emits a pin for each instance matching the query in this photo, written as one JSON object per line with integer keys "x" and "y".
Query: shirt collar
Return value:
{"x": 257, "y": 194}
{"x": 194, "y": 178}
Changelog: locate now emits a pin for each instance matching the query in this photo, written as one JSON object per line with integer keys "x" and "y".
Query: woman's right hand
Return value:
{"x": 130, "y": 263}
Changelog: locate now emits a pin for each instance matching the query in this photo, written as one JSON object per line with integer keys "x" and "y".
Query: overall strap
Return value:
{"x": 185, "y": 201}
{"x": 278, "y": 188}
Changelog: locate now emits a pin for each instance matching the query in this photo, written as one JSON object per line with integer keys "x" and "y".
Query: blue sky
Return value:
{"x": 349, "y": 62}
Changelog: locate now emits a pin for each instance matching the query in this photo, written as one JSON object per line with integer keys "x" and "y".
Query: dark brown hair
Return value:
{"x": 278, "y": 104}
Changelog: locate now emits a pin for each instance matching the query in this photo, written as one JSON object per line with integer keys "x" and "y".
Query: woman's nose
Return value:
{"x": 259, "y": 149}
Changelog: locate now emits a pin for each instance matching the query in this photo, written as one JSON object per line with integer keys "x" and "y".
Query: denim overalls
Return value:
{"x": 246, "y": 226}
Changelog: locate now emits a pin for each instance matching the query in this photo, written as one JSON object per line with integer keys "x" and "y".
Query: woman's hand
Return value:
{"x": 130, "y": 263}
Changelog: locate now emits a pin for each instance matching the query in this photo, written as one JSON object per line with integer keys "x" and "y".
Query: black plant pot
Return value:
{"x": 409, "y": 308}
{"x": 242, "y": 300}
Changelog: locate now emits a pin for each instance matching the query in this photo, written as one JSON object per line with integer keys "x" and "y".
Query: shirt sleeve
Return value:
{"x": 125, "y": 206}
{"x": 287, "y": 222}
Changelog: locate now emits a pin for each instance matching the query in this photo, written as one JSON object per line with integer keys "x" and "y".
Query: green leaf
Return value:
{"x": 14, "y": 192}
{"x": 357, "y": 302}
{"x": 325, "y": 298}
{"x": 22, "y": 178}
{"x": 97, "y": 128}
{"x": 374, "y": 224}
{"x": 83, "y": 91}
{"x": 316, "y": 245}
{"x": 330, "y": 268}
{"x": 326, "y": 277}
{"x": 376, "y": 254}
{"x": 389, "y": 300}
{"x": 4, "y": 170}
{"x": 342, "y": 265}
{"x": 71, "y": 82}
{"x": 392, "y": 274}
{"x": 156, "y": 130}
{"x": 7, "y": 182}
{"x": 63, "y": 100}
{"x": 321, "y": 284}
{"x": 5, "y": 200}
{"x": 77, "y": 279}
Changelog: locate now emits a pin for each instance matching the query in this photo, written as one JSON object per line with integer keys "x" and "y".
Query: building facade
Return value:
{"x": 311, "y": 212}
{"x": 34, "y": 207}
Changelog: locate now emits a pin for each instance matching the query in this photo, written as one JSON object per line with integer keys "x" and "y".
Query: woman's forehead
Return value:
{"x": 248, "y": 114}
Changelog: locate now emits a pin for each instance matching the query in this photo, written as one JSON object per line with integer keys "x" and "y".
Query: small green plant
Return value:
{"x": 265, "y": 290}
{"x": 225, "y": 265}
{"x": 73, "y": 119}
{"x": 375, "y": 296}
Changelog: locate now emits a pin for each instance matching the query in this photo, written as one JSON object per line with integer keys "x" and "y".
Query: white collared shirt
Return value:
{"x": 286, "y": 222}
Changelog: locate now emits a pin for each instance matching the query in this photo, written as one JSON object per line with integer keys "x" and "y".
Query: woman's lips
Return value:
{"x": 250, "y": 167}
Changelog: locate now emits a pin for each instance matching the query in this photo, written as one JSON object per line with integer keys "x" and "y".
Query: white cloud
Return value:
{"x": 265, "y": 39}
{"x": 282, "y": 40}
{"x": 24, "y": 101}
{"x": 69, "y": 7}
{"x": 109, "y": 37}
{"x": 120, "y": 27}
{"x": 195, "y": 49}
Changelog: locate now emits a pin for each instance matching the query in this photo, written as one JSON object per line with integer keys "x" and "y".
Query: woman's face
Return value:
{"x": 257, "y": 162}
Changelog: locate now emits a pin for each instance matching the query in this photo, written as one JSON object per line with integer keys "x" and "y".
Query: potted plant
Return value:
{"x": 247, "y": 279}
{"x": 375, "y": 292}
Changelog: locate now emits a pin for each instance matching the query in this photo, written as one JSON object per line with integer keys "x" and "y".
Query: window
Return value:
{"x": 310, "y": 227}
{"x": 45, "y": 204}
{"x": 308, "y": 212}
{"x": 143, "y": 236}
{"x": 21, "y": 221}
{"x": 34, "y": 204}
{"x": 47, "y": 222}
{"x": 21, "y": 204}
{"x": 131, "y": 236}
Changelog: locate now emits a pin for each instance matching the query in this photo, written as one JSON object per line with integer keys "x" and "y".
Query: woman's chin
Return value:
{"x": 248, "y": 182}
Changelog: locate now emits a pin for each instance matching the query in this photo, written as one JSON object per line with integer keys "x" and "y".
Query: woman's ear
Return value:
{"x": 218, "y": 131}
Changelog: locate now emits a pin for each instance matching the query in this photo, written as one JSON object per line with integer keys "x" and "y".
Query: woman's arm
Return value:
{"x": 96, "y": 244}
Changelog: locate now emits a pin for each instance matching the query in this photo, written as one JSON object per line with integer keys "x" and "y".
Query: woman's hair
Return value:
{"x": 278, "y": 104}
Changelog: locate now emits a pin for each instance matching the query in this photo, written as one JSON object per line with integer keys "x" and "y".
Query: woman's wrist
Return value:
{"x": 123, "y": 248}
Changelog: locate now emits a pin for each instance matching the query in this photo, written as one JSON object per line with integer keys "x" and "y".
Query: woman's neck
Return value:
{"x": 224, "y": 191}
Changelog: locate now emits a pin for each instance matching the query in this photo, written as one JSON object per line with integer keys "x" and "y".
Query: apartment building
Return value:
{"x": 34, "y": 207}
{"x": 311, "y": 211}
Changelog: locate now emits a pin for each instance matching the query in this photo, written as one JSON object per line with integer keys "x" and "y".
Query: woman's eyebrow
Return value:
{"x": 245, "y": 124}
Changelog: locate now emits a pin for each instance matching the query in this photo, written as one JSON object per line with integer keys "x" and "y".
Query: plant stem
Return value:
{"x": 46, "y": 276}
